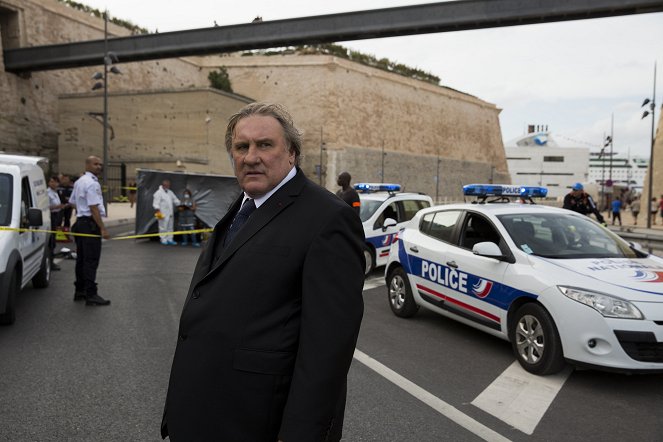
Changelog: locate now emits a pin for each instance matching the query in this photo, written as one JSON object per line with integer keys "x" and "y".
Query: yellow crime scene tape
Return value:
{"x": 145, "y": 235}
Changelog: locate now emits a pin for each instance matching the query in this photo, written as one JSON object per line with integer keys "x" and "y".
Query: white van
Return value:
{"x": 24, "y": 255}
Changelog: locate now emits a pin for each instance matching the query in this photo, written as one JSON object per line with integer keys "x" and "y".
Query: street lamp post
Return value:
{"x": 109, "y": 58}
{"x": 652, "y": 110}
{"x": 437, "y": 181}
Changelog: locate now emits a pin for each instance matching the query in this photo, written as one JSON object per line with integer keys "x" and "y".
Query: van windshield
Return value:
{"x": 5, "y": 199}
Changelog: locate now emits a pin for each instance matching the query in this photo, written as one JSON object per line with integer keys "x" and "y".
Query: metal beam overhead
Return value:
{"x": 407, "y": 20}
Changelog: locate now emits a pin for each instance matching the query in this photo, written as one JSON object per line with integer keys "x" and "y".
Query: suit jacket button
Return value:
{"x": 196, "y": 294}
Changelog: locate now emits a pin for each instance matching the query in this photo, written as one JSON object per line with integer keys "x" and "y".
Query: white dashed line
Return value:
{"x": 520, "y": 398}
{"x": 432, "y": 401}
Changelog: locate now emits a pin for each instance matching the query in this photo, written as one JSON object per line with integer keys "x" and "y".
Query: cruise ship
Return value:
{"x": 536, "y": 159}
{"x": 624, "y": 171}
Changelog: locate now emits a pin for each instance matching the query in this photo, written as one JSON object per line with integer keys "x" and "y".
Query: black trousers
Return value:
{"x": 66, "y": 216}
{"x": 88, "y": 254}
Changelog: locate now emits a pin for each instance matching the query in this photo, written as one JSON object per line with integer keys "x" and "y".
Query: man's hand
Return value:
{"x": 104, "y": 233}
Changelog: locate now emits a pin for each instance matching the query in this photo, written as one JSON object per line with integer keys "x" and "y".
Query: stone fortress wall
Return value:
{"x": 358, "y": 112}
{"x": 356, "y": 118}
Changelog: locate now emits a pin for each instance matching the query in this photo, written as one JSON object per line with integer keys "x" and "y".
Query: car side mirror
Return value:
{"x": 488, "y": 249}
{"x": 389, "y": 222}
{"x": 35, "y": 217}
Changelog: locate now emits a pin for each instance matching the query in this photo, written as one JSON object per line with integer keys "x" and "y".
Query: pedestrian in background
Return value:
{"x": 90, "y": 211}
{"x": 272, "y": 316}
{"x": 55, "y": 205}
{"x": 616, "y": 211}
{"x": 54, "y": 202}
{"x": 580, "y": 201}
{"x": 347, "y": 193}
{"x": 64, "y": 190}
{"x": 132, "y": 193}
{"x": 186, "y": 218}
{"x": 164, "y": 202}
{"x": 654, "y": 210}
{"x": 635, "y": 209}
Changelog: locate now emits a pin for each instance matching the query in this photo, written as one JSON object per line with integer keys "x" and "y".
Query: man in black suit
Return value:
{"x": 272, "y": 315}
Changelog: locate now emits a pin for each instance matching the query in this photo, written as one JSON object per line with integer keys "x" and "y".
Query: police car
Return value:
{"x": 556, "y": 284}
{"x": 384, "y": 210}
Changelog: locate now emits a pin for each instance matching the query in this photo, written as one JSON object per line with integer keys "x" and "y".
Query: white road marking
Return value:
{"x": 520, "y": 398}
{"x": 373, "y": 282}
{"x": 432, "y": 401}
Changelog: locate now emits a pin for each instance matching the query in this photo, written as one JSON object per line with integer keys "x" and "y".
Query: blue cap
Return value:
{"x": 577, "y": 186}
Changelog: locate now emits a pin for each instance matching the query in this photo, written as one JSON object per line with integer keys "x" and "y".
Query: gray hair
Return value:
{"x": 293, "y": 137}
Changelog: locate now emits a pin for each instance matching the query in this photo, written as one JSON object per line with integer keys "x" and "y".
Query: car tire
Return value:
{"x": 9, "y": 316}
{"x": 535, "y": 340}
{"x": 399, "y": 294}
{"x": 43, "y": 276}
{"x": 369, "y": 257}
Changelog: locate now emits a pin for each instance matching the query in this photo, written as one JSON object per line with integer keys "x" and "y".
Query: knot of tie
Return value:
{"x": 247, "y": 209}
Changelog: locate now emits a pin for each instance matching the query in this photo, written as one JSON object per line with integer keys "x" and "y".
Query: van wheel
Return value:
{"x": 9, "y": 316}
{"x": 369, "y": 257}
{"x": 43, "y": 277}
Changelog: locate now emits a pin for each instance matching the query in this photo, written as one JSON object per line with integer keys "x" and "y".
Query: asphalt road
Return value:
{"x": 77, "y": 373}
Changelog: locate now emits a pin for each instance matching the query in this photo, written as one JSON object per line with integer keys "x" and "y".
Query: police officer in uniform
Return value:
{"x": 89, "y": 203}
{"x": 347, "y": 193}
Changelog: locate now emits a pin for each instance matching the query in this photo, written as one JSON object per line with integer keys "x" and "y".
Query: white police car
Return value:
{"x": 383, "y": 211}
{"x": 556, "y": 284}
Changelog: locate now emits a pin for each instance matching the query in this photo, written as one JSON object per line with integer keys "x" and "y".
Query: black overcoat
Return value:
{"x": 267, "y": 333}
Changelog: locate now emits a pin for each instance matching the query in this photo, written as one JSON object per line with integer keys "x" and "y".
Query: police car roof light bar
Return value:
{"x": 377, "y": 187}
{"x": 503, "y": 191}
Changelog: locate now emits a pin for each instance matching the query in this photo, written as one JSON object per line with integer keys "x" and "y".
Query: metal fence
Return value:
{"x": 116, "y": 174}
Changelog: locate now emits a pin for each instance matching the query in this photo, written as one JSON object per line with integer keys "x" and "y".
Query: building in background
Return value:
{"x": 378, "y": 125}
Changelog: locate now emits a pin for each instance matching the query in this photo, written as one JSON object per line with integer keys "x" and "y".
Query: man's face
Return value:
{"x": 53, "y": 184}
{"x": 260, "y": 155}
{"x": 94, "y": 166}
{"x": 166, "y": 185}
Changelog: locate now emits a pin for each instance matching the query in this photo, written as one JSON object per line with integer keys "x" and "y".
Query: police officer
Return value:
{"x": 89, "y": 203}
{"x": 580, "y": 201}
{"x": 347, "y": 193}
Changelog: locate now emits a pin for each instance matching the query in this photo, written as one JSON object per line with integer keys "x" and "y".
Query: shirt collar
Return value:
{"x": 260, "y": 201}
{"x": 93, "y": 176}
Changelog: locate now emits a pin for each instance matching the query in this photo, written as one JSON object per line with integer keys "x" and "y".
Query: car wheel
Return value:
{"x": 369, "y": 257}
{"x": 535, "y": 340}
{"x": 9, "y": 316}
{"x": 43, "y": 276}
{"x": 400, "y": 296}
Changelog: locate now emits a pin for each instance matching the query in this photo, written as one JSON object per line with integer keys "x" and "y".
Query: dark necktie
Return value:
{"x": 247, "y": 209}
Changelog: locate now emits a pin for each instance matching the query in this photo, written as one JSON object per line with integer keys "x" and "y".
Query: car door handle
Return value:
{"x": 414, "y": 249}
{"x": 452, "y": 264}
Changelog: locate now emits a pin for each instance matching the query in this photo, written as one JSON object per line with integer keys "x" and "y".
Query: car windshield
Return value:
{"x": 562, "y": 236}
{"x": 368, "y": 208}
{"x": 5, "y": 199}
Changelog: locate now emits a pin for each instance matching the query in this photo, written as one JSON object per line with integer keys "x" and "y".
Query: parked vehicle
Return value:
{"x": 24, "y": 252}
{"x": 384, "y": 210}
{"x": 556, "y": 284}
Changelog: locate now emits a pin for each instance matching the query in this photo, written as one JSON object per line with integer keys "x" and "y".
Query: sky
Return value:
{"x": 575, "y": 77}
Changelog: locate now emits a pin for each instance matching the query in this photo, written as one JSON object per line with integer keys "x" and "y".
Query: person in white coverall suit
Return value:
{"x": 164, "y": 202}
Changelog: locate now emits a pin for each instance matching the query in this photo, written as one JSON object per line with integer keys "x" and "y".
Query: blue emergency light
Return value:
{"x": 377, "y": 187}
{"x": 486, "y": 190}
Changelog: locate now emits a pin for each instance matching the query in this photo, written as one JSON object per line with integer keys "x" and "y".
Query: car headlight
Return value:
{"x": 608, "y": 306}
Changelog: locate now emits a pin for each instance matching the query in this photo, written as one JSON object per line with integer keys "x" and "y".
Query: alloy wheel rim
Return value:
{"x": 397, "y": 292}
{"x": 530, "y": 340}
